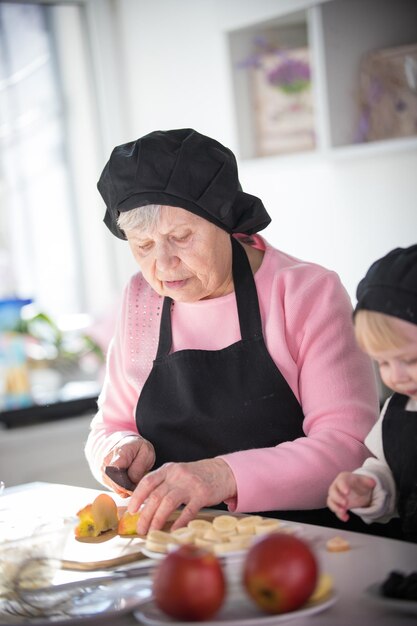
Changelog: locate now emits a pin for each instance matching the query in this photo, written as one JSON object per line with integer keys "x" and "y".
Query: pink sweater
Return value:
{"x": 306, "y": 315}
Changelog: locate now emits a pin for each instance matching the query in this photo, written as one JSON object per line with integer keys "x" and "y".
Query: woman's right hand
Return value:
{"x": 349, "y": 491}
{"x": 133, "y": 453}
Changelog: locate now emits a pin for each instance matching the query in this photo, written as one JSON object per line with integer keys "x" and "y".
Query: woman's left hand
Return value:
{"x": 195, "y": 485}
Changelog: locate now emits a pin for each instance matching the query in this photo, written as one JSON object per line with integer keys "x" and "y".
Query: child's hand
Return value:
{"x": 349, "y": 491}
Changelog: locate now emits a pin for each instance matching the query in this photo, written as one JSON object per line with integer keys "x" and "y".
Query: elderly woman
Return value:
{"x": 233, "y": 376}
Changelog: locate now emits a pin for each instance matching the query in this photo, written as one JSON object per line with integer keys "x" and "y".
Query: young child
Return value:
{"x": 385, "y": 321}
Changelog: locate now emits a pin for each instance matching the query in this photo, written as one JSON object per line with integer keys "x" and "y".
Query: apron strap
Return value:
{"x": 246, "y": 294}
{"x": 246, "y": 299}
{"x": 165, "y": 334}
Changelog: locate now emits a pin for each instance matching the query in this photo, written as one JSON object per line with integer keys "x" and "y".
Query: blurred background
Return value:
{"x": 318, "y": 100}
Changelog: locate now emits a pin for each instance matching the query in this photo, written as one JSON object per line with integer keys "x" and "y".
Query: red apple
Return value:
{"x": 189, "y": 584}
{"x": 280, "y": 573}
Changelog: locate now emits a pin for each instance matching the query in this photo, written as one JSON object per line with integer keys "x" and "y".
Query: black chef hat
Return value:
{"x": 390, "y": 285}
{"x": 180, "y": 168}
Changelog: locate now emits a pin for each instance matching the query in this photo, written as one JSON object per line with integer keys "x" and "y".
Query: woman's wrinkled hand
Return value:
{"x": 195, "y": 485}
{"x": 133, "y": 453}
{"x": 349, "y": 491}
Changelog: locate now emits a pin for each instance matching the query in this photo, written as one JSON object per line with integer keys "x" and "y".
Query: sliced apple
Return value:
{"x": 86, "y": 526}
{"x": 128, "y": 523}
{"x": 98, "y": 517}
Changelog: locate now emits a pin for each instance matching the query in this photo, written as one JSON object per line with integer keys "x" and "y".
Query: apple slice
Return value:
{"x": 98, "y": 517}
{"x": 128, "y": 523}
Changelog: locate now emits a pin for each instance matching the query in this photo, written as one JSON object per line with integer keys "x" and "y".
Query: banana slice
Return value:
{"x": 244, "y": 537}
{"x": 205, "y": 543}
{"x": 199, "y": 526}
{"x": 211, "y": 534}
{"x": 154, "y": 546}
{"x": 183, "y": 535}
{"x": 226, "y": 535}
{"x": 224, "y": 548}
{"x": 241, "y": 542}
{"x": 337, "y": 544}
{"x": 159, "y": 540}
{"x": 267, "y": 526}
{"x": 246, "y": 525}
{"x": 160, "y": 536}
{"x": 323, "y": 588}
{"x": 225, "y": 523}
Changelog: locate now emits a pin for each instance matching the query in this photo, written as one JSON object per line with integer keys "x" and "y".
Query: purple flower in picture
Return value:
{"x": 291, "y": 75}
{"x": 261, "y": 47}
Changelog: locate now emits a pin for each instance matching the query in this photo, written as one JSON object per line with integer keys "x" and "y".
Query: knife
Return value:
{"x": 120, "y": 477}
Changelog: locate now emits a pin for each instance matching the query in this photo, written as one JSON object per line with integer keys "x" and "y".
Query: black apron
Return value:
{"x": 197, "y": 404}
{"x": 399, "y": 438}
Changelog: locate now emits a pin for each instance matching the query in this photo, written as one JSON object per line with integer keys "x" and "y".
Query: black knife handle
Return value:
{"x": 120, "y": 477}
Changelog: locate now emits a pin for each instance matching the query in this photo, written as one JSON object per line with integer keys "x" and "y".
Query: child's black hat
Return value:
{"x": 390, "y": 285}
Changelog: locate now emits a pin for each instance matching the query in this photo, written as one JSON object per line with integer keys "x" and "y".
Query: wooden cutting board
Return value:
{"x": 110, "y": 549}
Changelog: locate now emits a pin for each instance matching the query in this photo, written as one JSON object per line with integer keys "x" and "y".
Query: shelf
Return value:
{"x": 337, "y": 34}
{"x": 350, "y": 30}
{"x": 36, "y": 414}
{"x": 374, "y": 148}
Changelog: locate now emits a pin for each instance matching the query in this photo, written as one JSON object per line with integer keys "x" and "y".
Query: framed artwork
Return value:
{"x": 282, "y": 102}
{"x": 388, "y": 94}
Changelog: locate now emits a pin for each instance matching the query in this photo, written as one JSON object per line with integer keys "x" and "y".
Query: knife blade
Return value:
{"x": 120, "y": 477}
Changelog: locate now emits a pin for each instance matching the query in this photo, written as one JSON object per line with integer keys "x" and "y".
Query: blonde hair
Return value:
{"x": 142, "y": 218}
{"x": 374, "y": 332}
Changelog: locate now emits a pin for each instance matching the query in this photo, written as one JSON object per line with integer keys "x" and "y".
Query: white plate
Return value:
{"x": 238, "y": 610}
{"x": 404, "y": 606}
{"x": 102, "y": 603}
{"x": 158, "y": 556}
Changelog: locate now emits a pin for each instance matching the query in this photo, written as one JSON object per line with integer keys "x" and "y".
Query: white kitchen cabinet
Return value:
{"x": 338, "y": 33}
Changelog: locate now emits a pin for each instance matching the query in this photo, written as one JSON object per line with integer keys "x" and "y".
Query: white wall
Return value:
{"x": 342, "y": 213}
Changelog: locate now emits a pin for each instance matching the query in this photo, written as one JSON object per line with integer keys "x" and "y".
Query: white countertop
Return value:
{"x": 369, "y": 560}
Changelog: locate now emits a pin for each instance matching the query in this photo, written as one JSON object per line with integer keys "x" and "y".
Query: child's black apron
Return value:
{"x": 399, "y": 438}
{"x": 197, "y": 404}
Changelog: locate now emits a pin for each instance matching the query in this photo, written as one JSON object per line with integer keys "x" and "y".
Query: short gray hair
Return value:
{"x": 141, "y": 218}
